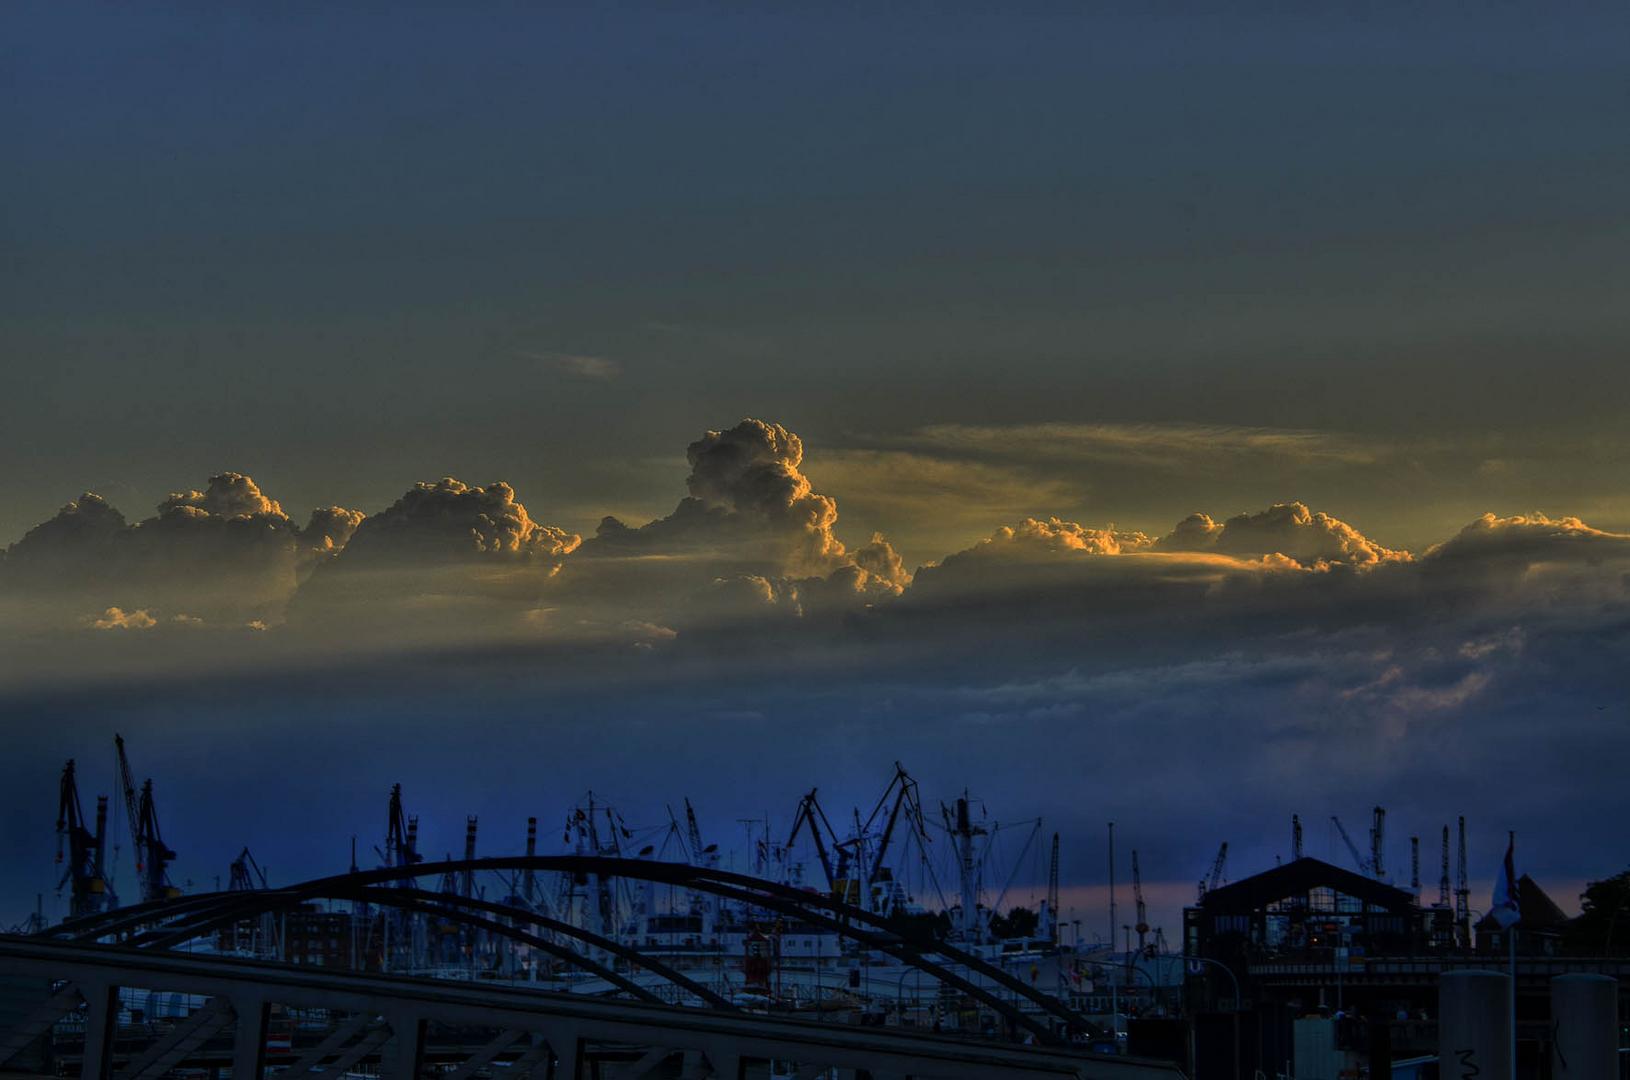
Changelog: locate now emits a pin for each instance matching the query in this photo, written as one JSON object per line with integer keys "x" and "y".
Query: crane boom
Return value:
{"x": 153, "y": 856}
{"x": 127, "y": 787}
{"x": 903, "y": 780}
{"x": 1218, "y": 866}
{"x": 1352, "y": 848}
{"x": 810, "y": 810}
{"x": 700, "y": 855}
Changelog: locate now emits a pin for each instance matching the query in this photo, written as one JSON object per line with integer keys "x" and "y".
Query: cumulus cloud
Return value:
{"x": 751, "y": 516}
{"x": 749, "y": 504}
{"x": 330, "y": 529}
{"x": 451, "y": 520}
{"x": 1530, "y": 539}
{"x": 448, "y": 561}
{"x": 228, "y": 495}
{"x": 119, "y": 619}
{"x": 1288, "y": 529}
{"x": 226, "y": 552}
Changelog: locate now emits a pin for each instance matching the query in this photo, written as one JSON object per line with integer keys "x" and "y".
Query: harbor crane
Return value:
{"x": 1378, "y": 832}
{"x": 467, "y": 879}
{"x": 700, "y": 855}
{"x": 401, "y": 834}
{"x": 906, "y": 803}
{"x": 1352, "y": 848}
{"x": 1218, "y": 865}
{"x": 810, "y": 812}
{"x": 1142, "y": 926}
{"x": 89, "y": 893}
{"x": 1443, "y": 878}
{"x": 246, "y": 874}
{"x": 1049, "y": 920}
{"x": 153, "y": 856}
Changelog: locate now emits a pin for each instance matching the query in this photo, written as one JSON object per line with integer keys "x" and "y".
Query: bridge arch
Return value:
{"x": 170, "y": 923}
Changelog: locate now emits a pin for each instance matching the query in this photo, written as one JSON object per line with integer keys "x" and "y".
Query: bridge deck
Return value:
{"x": 568, "y": 1023}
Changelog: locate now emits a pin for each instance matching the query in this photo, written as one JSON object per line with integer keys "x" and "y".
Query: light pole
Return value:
{"x": 1238, "y": 999}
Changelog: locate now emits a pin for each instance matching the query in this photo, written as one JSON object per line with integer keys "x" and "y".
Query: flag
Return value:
{"x": 1506, "y": 908}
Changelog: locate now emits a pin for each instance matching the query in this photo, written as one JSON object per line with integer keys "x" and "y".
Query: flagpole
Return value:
{"x": 1513, "y": 936}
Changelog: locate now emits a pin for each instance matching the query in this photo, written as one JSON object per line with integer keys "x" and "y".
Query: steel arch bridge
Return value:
{"x": 165, "y": 924}
{"x": 78, "y": 969}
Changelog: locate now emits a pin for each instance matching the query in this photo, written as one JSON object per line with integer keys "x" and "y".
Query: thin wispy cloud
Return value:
{"x": 1144, "y": 443}
{"x": 578, "y": 365}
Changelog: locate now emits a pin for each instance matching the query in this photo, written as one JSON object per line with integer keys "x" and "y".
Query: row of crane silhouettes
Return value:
{"x": 855, "y": 868}
{"x": 84, "y": 848}
{"x": 1372, "y": 865}
{"x": 860, "y": 865}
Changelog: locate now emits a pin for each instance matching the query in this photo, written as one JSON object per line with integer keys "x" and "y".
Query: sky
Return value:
{"x": 1007, "y": 292}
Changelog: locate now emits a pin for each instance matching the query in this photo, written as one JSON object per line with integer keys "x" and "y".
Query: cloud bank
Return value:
{"x": 753, "y": 548}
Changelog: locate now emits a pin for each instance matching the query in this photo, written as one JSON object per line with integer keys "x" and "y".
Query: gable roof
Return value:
{"x": 1539, "y": 911}
{"x": 1297, "y": 878}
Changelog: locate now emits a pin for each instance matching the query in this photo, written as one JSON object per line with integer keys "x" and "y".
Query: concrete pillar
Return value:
{"x": 1474, "y": 1026}
{"x": 404, "y": 1054}
{"x": 101, "y": 1025}
{"x": 1585, "y": 1015}
{"x": 249, "y": 1042}
{"x": 724, "y": 1061}
{"x": 568, "y": 1051}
